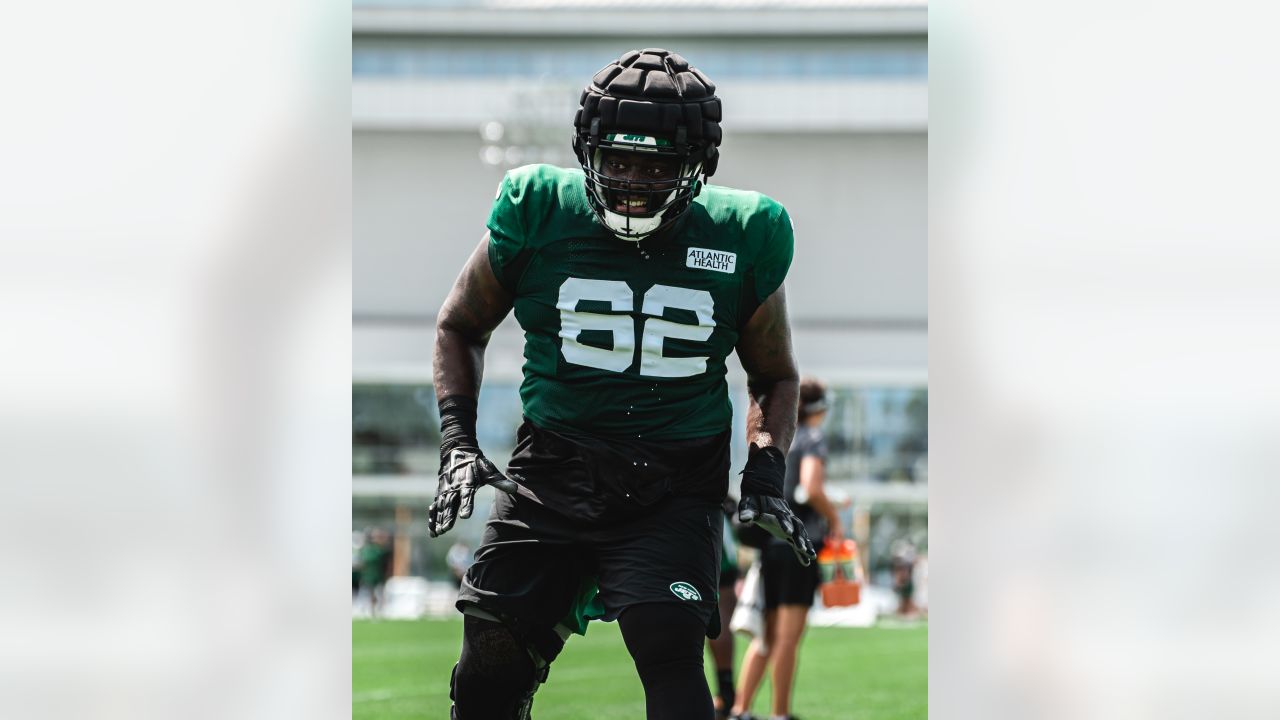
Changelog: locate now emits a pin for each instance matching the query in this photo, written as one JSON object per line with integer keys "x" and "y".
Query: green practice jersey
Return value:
{"x": 629, "y": 340}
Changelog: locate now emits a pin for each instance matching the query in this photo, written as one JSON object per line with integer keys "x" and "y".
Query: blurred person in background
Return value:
{"x": 721, "y": 647}
{"x": 904, "y": 582}
{"x": 357, "y": 542}
{"x": 788, "y": 586}
{"x": 375, "y": 567}
{"x": 920, "y": 578}
{"x": 632, "y": 280}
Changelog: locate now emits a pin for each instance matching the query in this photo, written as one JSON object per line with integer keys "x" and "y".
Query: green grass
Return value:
{"x": 400, "y": 670}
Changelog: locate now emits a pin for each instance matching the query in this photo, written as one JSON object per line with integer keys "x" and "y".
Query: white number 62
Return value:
{"x": 656, "y": 329}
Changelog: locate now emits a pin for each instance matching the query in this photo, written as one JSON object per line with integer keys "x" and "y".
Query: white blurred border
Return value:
{"x": 1105, "y": 338}
{"x": 175, "y": 294}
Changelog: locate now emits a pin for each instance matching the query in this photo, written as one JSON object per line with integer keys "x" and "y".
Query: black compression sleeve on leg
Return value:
{"x": 665, "y": 641}
{"x": 724, "y": 684}
{"x": 495, "y": 674}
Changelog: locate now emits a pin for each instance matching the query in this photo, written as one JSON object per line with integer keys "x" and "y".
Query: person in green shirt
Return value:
{"x": 375, "y": 567}
{"x": 632, "y": 279}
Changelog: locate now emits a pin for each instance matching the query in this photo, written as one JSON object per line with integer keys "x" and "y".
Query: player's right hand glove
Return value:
{"x": 763, "y": 505}
{"x": 463, "y": 467}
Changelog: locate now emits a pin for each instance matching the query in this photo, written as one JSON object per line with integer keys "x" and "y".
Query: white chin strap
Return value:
{"x": 639, "y": 227}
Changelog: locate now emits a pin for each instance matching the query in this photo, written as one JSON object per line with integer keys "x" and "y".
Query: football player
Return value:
{"x": 633, "y": 280}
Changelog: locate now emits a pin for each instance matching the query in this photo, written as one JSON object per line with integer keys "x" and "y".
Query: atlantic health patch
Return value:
{"x": 704, "y": 259}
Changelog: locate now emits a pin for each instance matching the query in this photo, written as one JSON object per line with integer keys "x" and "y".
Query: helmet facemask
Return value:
{"x": 639, "y": 185}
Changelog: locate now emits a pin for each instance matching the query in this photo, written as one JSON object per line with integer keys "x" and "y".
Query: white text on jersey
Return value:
{"x": 704, "y": 259}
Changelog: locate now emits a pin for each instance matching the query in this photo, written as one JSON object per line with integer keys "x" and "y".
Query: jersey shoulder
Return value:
{"x": 726, "y": 202}
{"x": 754, "y": 220}
{"x": 538, "y": 203}
{"x": 756, "y": 227}
{"x": 542, "y": 180}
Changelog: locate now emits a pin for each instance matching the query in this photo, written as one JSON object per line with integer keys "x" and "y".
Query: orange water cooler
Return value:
{"x": 841, "y": 573}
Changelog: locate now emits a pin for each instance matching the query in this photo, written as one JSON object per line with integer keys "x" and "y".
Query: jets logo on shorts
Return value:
{"x": 685, "y": 591}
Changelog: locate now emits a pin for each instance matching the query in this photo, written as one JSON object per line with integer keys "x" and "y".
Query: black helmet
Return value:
{"x": 648, "y": 101}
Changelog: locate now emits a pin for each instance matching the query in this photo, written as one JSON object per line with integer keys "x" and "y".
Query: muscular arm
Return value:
{"x": 773, "y": 383}
{"x": 475, "y": 306}
{"x": 764, "y": 348}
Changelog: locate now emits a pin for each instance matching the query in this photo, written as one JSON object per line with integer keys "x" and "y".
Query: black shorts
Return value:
{"x": 572, "y": 521}
{"x": 786, "y": 581}
{"x": 596, "y": 481}
{"x": 531, "y": 561}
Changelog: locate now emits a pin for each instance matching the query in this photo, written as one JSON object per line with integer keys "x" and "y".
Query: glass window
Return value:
{"x": 874, "y": 433}
{"x": 897, "y": 534}
{"x": 575, "y": 64}
{"x": 878, "y": 434}
{"x": 394, "y": 429}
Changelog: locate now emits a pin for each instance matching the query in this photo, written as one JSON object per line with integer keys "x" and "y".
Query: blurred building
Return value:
{"x": 826, "y": 110}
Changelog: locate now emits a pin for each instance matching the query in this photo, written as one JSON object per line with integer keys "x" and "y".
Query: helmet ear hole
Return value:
{"x": 713, "y": 159}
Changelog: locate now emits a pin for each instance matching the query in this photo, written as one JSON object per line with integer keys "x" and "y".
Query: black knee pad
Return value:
{"x": 495, "y": 677}
{"x": 724, "y": 685}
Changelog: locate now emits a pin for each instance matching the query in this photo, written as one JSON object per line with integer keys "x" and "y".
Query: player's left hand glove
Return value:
{"x": 762, "y": 502}
{"x": 462, "y": 471}
{"x": 463, "y": 467}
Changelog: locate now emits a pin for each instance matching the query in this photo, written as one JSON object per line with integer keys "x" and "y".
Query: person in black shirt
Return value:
{"x": 789, "y": 587}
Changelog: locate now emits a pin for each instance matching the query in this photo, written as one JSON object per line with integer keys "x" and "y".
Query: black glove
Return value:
{"x": 762, "y": 503}
{"x": 463, "y": 468}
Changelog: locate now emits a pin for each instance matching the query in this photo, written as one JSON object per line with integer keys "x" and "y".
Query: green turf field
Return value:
{"x": 400, "y": 670}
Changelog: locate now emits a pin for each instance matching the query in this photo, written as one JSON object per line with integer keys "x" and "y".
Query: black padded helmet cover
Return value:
{"x": 651, "y": 92}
